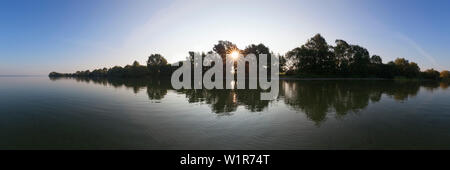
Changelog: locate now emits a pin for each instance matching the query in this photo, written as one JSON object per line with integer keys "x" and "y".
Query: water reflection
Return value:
{"x": 443, "y": 85}
{"x": 223, "y": 101}
{"x": 316, "y": 99}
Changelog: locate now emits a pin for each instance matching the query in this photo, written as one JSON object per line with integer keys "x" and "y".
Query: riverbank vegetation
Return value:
{"x": 315, "y": 59}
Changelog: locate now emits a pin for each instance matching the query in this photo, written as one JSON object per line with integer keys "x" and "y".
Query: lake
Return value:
{"x": 69, "y": 113}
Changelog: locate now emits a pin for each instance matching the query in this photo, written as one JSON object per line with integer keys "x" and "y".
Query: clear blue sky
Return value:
{"x": 39, "y": 36}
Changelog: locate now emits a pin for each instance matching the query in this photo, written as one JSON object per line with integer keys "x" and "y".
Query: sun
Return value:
{"x": 235, "y": 55}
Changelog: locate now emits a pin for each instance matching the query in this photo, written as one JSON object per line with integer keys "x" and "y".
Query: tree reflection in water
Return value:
{"x": 317, "y": 98}
{"x": 314, "y": 98}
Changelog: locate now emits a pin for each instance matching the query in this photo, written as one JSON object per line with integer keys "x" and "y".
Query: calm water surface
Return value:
{"x": 43, "y": 113}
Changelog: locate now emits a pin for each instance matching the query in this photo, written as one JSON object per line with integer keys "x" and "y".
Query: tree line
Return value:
{"x": 156, "y": 66}
{"x": 313, "y": 59}
{"x": 317, "y": 58}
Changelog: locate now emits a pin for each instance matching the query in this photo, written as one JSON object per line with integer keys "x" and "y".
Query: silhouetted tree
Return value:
{"x": 375, "y": 59}
{"x": 257, "y": 50}
{"x": 445, "y": 74}
{"x": 360, "y": 60}
{"x": 430, "y": 74}
{"x": 136, "y": 70}
{"x": 342, "y": 53}
{"x": 313, "y": 57}
{"x": 157, "y": 65}
{"x": 283, "y": 64}
{"x": 224, "y": 47}
{"x": 406, "y": 69}
{"x": 156, "y": 60}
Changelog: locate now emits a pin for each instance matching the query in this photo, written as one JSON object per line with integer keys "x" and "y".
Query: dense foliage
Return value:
{"x": 316, "y": 58}
{"x": 156, "y": 66}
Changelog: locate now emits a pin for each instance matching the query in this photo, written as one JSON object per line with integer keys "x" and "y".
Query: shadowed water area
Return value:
{"x": 81, "y": 113}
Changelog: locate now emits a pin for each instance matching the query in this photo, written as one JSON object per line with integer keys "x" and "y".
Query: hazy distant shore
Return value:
{"x": 22, "y": 75}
